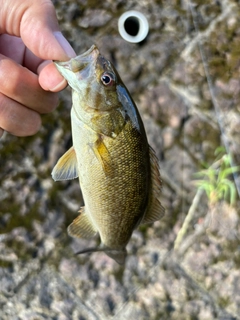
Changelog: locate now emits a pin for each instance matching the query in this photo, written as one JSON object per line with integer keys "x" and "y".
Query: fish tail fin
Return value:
{"x": 118, "y": 255}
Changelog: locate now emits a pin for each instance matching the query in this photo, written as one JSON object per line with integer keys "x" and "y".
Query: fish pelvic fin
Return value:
{"x": 82, "y": 227}
{"x": 118, "y": 255}
{"x": 155, "y": 210}
{"x": 66, "y": 167}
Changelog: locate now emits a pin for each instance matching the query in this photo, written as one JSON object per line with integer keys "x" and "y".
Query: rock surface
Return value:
{"x": 185, "y": 81}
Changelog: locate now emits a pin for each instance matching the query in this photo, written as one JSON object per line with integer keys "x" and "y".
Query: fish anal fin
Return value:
{"x": 81, "y": 227}
{"x": 66, "y": 167}
{"x": 155, "y": 210}
{"x": 103, "y": 156}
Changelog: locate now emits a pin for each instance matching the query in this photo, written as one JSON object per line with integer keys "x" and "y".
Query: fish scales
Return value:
{"x": 124, "y": 190}
{"x": 118, "y": 171}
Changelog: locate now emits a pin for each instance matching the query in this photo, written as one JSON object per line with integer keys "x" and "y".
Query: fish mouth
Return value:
{"x": 80, "y": 65}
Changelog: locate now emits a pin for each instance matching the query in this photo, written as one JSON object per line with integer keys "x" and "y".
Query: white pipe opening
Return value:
{"x": 133, "y": 26}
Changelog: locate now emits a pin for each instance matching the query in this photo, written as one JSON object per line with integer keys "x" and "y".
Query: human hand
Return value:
{"x": 29, "y": 39}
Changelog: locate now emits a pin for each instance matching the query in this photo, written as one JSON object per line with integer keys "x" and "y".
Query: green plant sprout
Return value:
{"x": 216, "y": 184}
{"x": 216, "y": 179}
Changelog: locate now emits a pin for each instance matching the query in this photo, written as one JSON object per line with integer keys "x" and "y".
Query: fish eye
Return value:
{"x": 107, "y": 79}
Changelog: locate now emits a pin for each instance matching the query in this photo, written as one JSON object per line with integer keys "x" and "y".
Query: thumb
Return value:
{"x": 36, "y": 23}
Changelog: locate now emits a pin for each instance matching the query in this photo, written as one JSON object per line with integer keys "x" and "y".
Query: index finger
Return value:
{"x": 36, "y": 23}
{"x": 22, "y": 85}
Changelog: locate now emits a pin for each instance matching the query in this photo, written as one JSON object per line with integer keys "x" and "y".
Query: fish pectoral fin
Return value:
{"x": 81, "y": 227}
{"x": 102, "y": 154}
{"x": 66, "y": 167}
{"x": 155, "y": 210}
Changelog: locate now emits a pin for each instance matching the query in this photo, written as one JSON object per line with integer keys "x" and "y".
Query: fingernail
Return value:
{"x": 64, "y": 44}
{"x": 60, "y": 86}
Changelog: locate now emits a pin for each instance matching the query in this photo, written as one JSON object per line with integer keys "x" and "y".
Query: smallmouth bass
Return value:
{"x": 117, "y": 169}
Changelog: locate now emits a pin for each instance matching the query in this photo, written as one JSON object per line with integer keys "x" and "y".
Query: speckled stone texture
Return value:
{"x": 185, "y": 81}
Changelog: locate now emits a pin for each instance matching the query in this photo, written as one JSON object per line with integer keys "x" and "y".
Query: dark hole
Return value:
{"x": 131, "y": 26}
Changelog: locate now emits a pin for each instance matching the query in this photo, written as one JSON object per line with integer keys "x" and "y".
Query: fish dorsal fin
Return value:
{"x": 66, "y": 167}
{"x": 82, "y": 227}
{"x": 155, "y": 210}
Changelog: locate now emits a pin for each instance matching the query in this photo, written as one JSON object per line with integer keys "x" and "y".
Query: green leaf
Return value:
{"x": 219, "y": 150}
{"x": 215, "y": 181}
